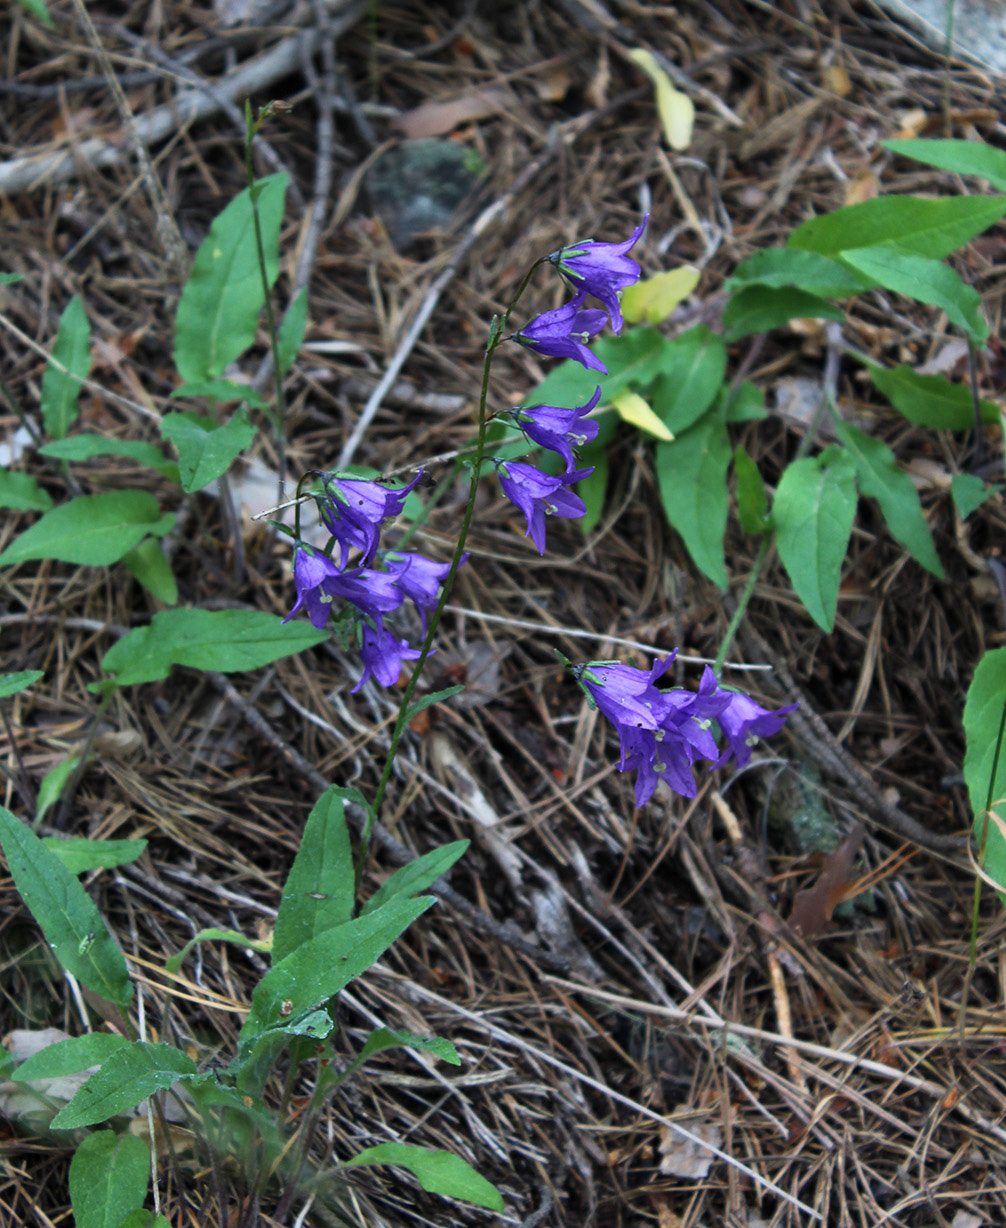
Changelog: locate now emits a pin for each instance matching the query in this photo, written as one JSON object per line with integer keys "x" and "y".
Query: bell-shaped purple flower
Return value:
{"x": 624, "y": 694}
{"x": 374, "y": 593}
{"x": 310, "y": 570}
{"x": 743, "y": 722}
{"x": 419, "y": 578}
{"x": 356, "y": 509}
{"x": 601, "y": 269}
{"x": 654, "y": 757}
{"x": 539, "y": 495}
{"x": 383, "y": 653}
{"x": 564, "y": 333}
{"x": 557, "y": 428}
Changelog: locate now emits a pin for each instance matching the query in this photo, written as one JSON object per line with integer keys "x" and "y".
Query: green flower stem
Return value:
{"x": 745, "y": 598}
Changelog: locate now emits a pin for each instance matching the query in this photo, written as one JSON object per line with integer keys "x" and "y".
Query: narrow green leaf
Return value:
{"x": 149, "y": 566}
{"x": 95, "y": 530}
{"x": 438, "y": 1172}
{"x": 815, "y": 503}
{"x": 109, "y": 1174}
{"x": 383, "y": 1038}
{"x": 324, "y": 965}
{"x": 789, "y": 266}
{"x": 291, "y": 332}
{"x": 321, "y": 886}
{"x": 127, "y": 1077}
{"x": 11, "y": 684}
{"x": 593, "y": 489}
{"x": 80, "y": 854}
{"x": 61, "y": 389}
{"x": 205, "y": 450}
{"x": 417, "y": 875}
{"x": 926, "y": 281}
{"x": 745, "y": 403}
{"x": 969, "y": 492}
{"x": 962, "y": 157}
{"x": 219, "y": 309}
{"x": 931, "y": 400}
{"x": 85, "y": 447}
{"x": 215, "y": 935}
{"x": 692, "y": 375}
{"x": 67, "y": 1057}
{"x": 752, "y": 501}
{"x": 932, "y": 228}
{"x": 881, "y": 478}
{"x": 53, "y": 784}
{"x": 141, "y": 1218}
{"x": 692, "y": 475}
{"x": 228, "y": 641}
{"x": 983, "y": 711}
{"x": 759, "y": 309}
{"x": 72, "y": 925}
{"x": 39, "y": 10}
{"x": 21, "y": 493}
{"x": 223, "y": 391}
{"x": 427, "y": 701}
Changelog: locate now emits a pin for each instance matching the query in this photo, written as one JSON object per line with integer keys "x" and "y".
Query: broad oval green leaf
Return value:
{"x": 70, "y": 1056}
{"x": 759, "y": 309}
{"x": 962, "y": 157}
{"x": 438, "y": 1172}
{"x": 206, "y": 449}
{"x": 94, "y": 530}
{"x": 983, "y": 716}
{"x": 219, "y": 309}
{"x": 789, "y": 266}
{"x": 814, "y": 507}
{"x": 148, "y": 565}
{"x": 693, "y": 369}
{"x": 73, "y": 927}
{"x": 61, "y": 388}
{"x": 127, "y": 1076}
{"x": 109, "y": 1174}
{"x": 931, "y": 400}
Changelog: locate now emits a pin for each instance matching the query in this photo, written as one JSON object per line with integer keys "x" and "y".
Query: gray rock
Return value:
{"x": 979, "y": 27}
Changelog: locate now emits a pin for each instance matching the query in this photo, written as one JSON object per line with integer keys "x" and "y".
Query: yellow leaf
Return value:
{"x": 677, "y": 114}
{"x": 654, "y": 299}
{"x": 634, "y": 410}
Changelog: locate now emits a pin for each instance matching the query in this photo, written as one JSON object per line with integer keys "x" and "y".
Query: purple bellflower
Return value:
{"x": 624, "y": 694}
{"x": 601, "y": 269}
{"x": 564, "y": 333}
{"x": 557, "y": 428}
{"x": 743, "y": 722}
{"x": 383, "y": 653}
{"x": 539, "y": 495}
{"x": 319, "y": 581}
{"x": 356, "y": 509}
{"x": 419, "y": 578}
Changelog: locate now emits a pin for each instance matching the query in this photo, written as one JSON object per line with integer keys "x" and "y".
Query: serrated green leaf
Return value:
{"x": 752, "y": 501}
{"x": 205, "y": 449}
{"x": 814, "y": 507}
{"x": 417, "y": 875}
{"x": 70, "y": 1056}
{"x": 79, "y": 854}
{"x": 63, "y": 910}
{"x": 926, "y": 281}
{"x": 228, "y": 641}
{"x": 219, "y": 309}
{"x": 222, "y": 391}
{"x": 109, "y": 1174}
{"x": 693, "y": 368}
{"x": 127, "y": 1077}
{"x": 95, "y": 530}
{"x": 427, "y": 701}
{"x": 84, "y": 447}
{"x": 321, "y": 886}
{"x": 149, "y": 566}
{"x": 881, "y": 478}
{"x": 692, "y": 475}
{"x": 212, "y": 934}
{"x": 969, "y": 492}
{"x": 789, "y": 266}
{"x": 983, "y": 712}
{"x": 931, "y": 228}
{"x": 931, "y": 400}
{"x": 11, "y": 684}
{"x": 962, "y": 157}
{"x": 61, "y": 389}
{"x": 438, "y": 1172}
{"x": 21, "y": 493}
{"x": 759, "y": 309}
{"x": 291, "y": 332}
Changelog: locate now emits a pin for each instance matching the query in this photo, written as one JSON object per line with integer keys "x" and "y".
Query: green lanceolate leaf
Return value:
{"x": 983, "y": 712}
{"x": 811, "y": 272}
{"x": 963, "y": 157}
{"x": 53, "y": 784}
{"x": 435, "y": 697}
{"x": 72, "y": 926}
{"x": 384, "y": 1038}
{"x": 126, "y": 1077}
{"x": 109, "y": 1174}
{"x": 813, "y": 511}
{"x": 11, "y": 684}
{"x": 215, "y": 935}
{"x": 68, "y": 1057}
{"x": 321, "y": 886}
{"x": 21, "y": 493}
{"x": 931, "y": 228}
{"x": 592, "y": 489}
{"x": 94, "y": 530}
{"x": 85, "y": 447}
{"x": 206, "y": 450}
{"x": 291, "y": 332}
{"x": 80, "y": 854}
{"x": 223, "y": 392}
{"x": 219, "y": 309}
{"x": 417, "y": 875}
{"x": 882, "y": 479}
{"x": 926, "y": 281}
{"x": 759, "y": 309}
{"x": 61, "y": 388}
{"x": 752, "y": 501}
{"x": 969, "y": 492}
{"x": 931, "y": 400}
{"x": 692, "y": 474}
{"x": 148, "y": 565}
{"x": 439, "y": 1172}
{"x": 694, "y": 364}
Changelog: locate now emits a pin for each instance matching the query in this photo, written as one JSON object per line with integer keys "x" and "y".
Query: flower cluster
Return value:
{"x": 663, "y": 733}
{"x": 602, "y": 270}
{"x": 353, "y": 512}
